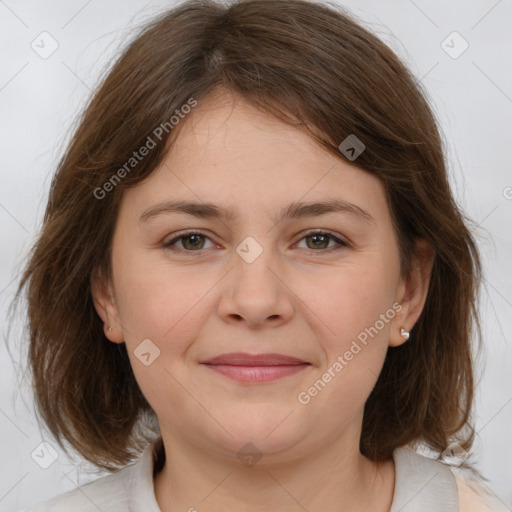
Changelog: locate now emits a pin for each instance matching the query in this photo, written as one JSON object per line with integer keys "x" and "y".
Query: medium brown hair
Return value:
{"x": 311, "y": 65}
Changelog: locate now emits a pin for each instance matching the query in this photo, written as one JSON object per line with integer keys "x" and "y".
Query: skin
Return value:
{"x": 296, "y": 299}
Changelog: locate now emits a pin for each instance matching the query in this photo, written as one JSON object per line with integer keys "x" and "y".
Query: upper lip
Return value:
{"x": 243, "y": 359}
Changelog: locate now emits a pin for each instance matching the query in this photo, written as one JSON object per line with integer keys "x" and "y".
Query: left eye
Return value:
{"x": 194, "y": 241}
{"x": 194, "y": 245}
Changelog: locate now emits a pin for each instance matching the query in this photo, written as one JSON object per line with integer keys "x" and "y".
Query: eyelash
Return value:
{"x": 171, "y": 243}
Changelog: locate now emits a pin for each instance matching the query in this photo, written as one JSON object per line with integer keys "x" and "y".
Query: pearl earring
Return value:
{"x": 404, "y": 333}
{"x": 110, "y": 328}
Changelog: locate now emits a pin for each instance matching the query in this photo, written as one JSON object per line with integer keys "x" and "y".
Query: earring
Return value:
{"x": 110, "y": 328}
{"x": 404, "y": 333}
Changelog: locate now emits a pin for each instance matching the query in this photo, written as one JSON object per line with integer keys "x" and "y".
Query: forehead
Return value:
{"x": 230, "y": 153}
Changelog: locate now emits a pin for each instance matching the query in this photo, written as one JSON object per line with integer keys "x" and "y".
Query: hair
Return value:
{"x": 313, "y": 66}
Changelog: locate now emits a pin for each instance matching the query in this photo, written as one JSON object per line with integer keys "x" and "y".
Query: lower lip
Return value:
{"x": 256, "y": 373}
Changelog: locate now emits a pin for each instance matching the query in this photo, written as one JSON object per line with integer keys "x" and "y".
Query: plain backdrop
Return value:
{"x": 41, "y": 95}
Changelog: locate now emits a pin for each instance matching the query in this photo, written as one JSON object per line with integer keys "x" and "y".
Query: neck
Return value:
{"x": 333, "y": 478}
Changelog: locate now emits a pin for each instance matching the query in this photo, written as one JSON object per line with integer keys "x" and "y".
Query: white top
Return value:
{"x": 421, "y": 485}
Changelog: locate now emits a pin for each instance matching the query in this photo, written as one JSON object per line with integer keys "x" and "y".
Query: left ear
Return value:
{"x": 105, "y": 305}
{"x": 413, "y": 289}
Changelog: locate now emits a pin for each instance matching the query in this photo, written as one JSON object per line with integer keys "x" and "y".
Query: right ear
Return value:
{"x": 105, "y": 305}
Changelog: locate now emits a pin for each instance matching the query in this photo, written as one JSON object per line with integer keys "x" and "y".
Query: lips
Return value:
{"x": 242, "y": 359}
{"x": 252, "y": 369}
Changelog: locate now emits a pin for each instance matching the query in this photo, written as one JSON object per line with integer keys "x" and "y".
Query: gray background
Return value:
{"x": 39, "y": 101}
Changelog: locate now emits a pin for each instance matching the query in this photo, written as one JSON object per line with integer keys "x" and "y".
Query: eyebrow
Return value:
{"x": 294, "y": 210}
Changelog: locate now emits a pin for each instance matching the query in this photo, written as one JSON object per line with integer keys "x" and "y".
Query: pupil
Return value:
{"x": 318, "y": 238}
{"x": 197, "y": 239}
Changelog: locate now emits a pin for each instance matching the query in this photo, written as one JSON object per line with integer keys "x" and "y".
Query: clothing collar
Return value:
{"x": 421, "y": 484}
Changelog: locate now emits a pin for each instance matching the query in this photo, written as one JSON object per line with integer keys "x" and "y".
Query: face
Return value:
{"x": 320, "y": 285}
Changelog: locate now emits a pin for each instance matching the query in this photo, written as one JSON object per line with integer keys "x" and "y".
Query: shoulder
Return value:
{"x": 110, "y": 493}
{"x": 428, "y": 484}
{"x": 474, "y": 495}
{"x": 130, "y": 488}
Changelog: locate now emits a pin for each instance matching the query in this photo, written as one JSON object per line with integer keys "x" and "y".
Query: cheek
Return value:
{"x": 169, "y": 308}
{"x": 348, "y": 300}
{"x": 161, "y": 304}
{"x": 355, "y": 338}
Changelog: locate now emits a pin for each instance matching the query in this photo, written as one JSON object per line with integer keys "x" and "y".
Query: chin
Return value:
{"x": 263, "y": 435}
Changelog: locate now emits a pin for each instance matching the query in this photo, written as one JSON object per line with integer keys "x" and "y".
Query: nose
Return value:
{"x": 256, "y": 291}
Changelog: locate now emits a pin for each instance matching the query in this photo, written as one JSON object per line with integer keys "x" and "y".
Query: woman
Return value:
{"x": 251, "y": 247}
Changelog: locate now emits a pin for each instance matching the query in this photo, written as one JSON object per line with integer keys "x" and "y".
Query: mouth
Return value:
{"x": 255, "y": 368}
